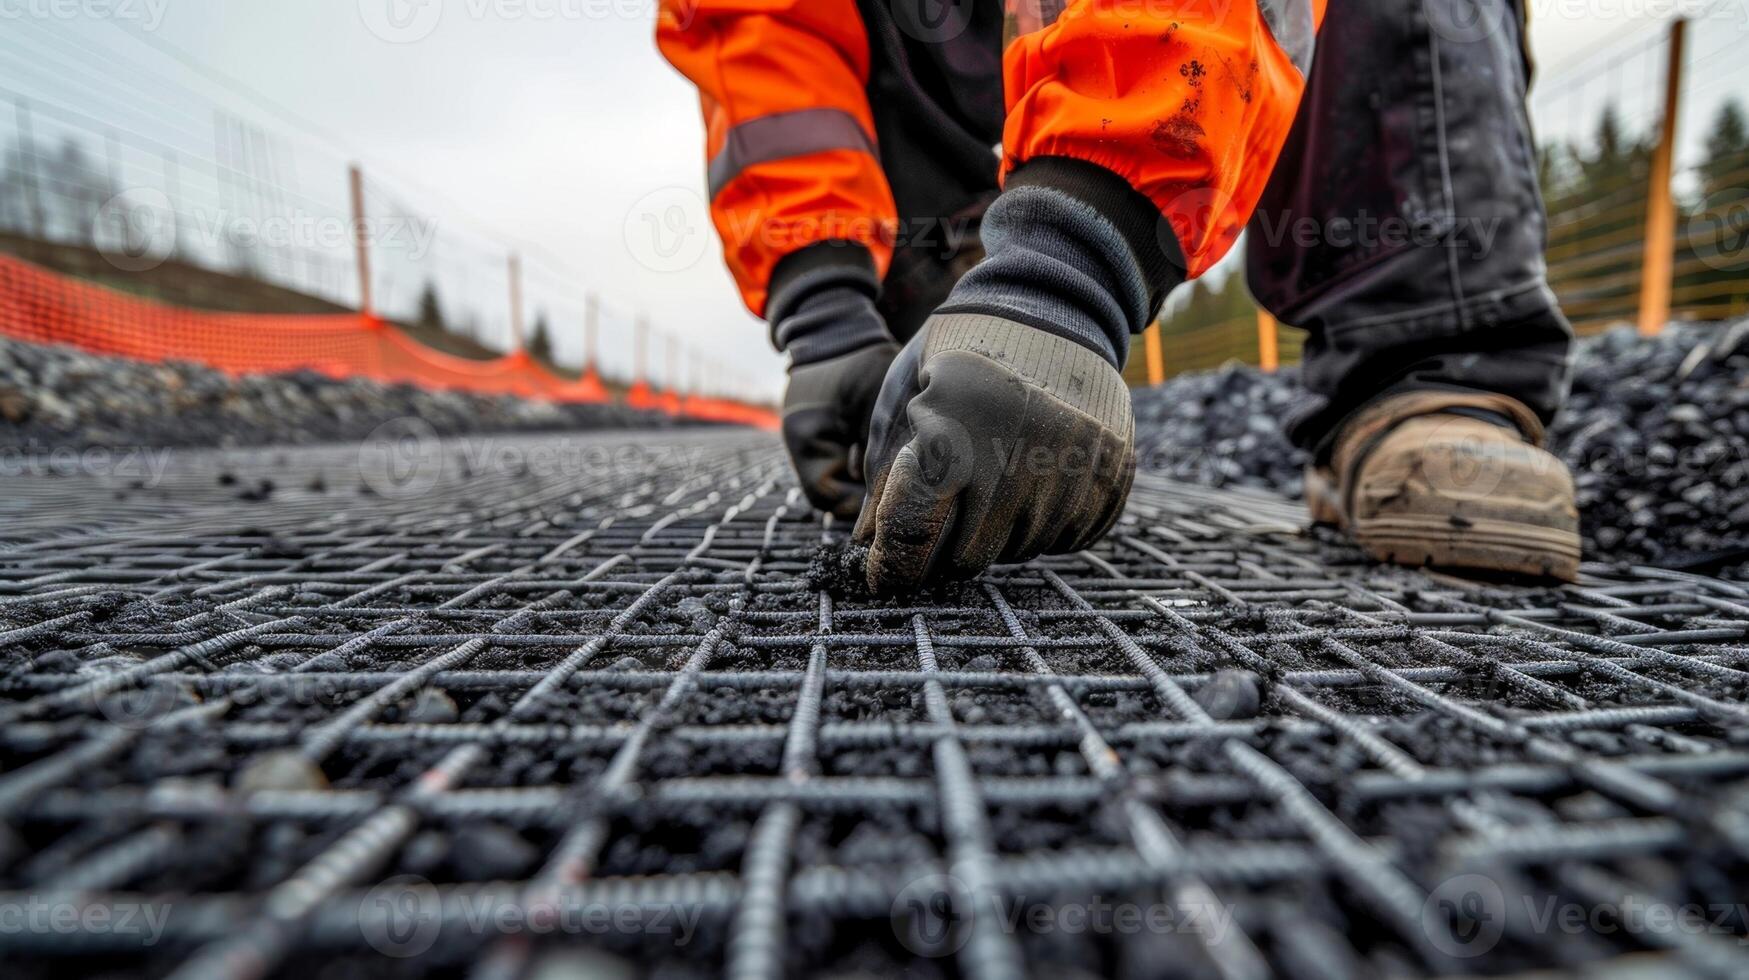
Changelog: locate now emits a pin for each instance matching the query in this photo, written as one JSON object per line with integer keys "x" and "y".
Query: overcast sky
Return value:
{"x": 549, "y": 119}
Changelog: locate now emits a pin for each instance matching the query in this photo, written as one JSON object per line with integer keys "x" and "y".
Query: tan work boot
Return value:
{"x": 1433, "y": 478}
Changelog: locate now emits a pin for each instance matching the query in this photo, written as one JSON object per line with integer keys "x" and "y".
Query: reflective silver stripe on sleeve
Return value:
{"x": 1291, "y": 23}
{"x": 786, "y": 134}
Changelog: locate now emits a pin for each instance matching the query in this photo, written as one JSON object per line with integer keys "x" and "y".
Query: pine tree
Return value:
{"x": 431, "y": 309}
{"x": 1711, "y": 241}
{"x": 540, "y": 340}
{"x": 1597, "y": 205}
{"x": 1618, "y": 160}
{"x": 1727, "y": 150}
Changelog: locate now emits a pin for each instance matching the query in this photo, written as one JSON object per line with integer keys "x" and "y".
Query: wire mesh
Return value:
{"x": 534, "y": 705}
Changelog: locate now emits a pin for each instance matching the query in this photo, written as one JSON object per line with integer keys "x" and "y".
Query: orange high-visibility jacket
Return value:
{"x": 1188, "y": 101}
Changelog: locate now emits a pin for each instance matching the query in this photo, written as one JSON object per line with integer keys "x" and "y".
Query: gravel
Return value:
{"x": 53, "y": 397}
{"x": 1656, "y": 431}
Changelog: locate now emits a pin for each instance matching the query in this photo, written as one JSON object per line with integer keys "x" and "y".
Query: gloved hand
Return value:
{"x": 1004, "y": 429}
{"x": 992, "y": 441}
{"x": 826, "y": 412}
{"x": 839, "y": 350}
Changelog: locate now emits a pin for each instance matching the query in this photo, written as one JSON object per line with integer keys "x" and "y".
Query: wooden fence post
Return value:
{"x": 1268, "y": 342}
{"x": 641, "y": 351}
{"x": 1657, "y": 268}
{"x": 591, "y": 332}
{"x": 1156, "y": 356}
{"x": 517, "y": 341}
{"x": 361, "y": 242}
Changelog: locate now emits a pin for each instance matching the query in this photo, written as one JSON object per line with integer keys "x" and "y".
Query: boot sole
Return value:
{"x": 1483, "y": 545}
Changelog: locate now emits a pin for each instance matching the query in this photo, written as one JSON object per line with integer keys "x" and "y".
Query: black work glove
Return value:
{"x": 839, "y": 353}
{"x": 825, "y": 424}
{"x": 992, "y": 441}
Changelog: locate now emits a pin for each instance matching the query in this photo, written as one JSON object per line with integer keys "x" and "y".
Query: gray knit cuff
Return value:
{"x": 822, "y": 302}
{"x": 1057, "y": 263}
{"x": 829, "y": 323}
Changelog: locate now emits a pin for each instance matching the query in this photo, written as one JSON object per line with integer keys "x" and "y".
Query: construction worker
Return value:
{"x": 1102, "y": 152}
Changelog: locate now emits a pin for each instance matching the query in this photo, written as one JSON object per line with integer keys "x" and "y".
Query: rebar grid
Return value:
{"x": 1283, "y": 759}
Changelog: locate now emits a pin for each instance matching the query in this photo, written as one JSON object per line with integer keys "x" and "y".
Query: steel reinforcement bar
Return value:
{"x": 506, "y": 704}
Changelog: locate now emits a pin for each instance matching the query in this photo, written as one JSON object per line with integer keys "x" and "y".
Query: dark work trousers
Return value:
{"x": 1403, "y": 227}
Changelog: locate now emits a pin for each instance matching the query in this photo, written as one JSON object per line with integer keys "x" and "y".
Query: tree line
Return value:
{"x": 1596, "y": 194}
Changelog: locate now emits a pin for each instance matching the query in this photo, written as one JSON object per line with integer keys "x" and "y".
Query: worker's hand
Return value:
{"x": 825, "y": 424}
{"x": 992, "y": 441}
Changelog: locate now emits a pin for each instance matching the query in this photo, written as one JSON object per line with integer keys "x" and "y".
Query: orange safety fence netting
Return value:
{"x": 41, "y": 306}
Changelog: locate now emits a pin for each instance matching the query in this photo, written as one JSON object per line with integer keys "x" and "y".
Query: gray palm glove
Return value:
{"x": 992, "y": 441}
{"x": 826, "y": 413}
{"x": 1004, "y": 429}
